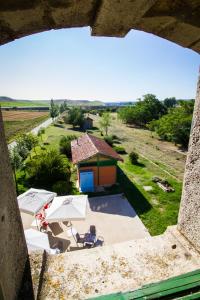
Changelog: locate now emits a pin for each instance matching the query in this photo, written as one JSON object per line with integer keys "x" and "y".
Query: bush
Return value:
{"x": 133, "y": 157}
{"x": 43, "y": 148}
{"x": 21, "y": 189}
{"x": 115, "y": 137}
{"x": 65, "y": 145}
{"x": 109, "y": 140}
{"x": 48, "y": 168}
{"x": 119, "y": 149}
{"x": 61, "y": 187}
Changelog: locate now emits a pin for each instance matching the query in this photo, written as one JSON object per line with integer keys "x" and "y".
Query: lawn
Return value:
{"x": 14, "y": 128}
{"x": 156, "y": 208}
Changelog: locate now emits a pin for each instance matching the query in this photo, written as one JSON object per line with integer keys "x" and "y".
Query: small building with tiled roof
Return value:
{"x": 87, "y": 123}
{"x": 96, "y": 162}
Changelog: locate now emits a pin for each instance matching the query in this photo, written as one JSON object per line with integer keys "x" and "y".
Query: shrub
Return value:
{"x": 41, "y": 131}
{"x": 109, "y": 140}
{"x": 48, "y": 168}
{"x": 61, "y": 187}
{"x": 119, "y": 149}
{"x": 115, "y": 137}
{"x": 65, "y": 145}
{"x": 43, "y": 148}
{"x": 21, "y": 188}
{"x": 133, "y": 156}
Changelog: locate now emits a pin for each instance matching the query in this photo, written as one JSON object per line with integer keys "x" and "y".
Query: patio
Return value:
{"x": 114, "y": 219}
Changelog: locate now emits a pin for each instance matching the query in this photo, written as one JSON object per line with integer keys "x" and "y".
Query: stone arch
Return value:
{"x": 177, "y": 20}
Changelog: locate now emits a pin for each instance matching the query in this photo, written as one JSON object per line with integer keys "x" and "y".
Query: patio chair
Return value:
{"x": 80, "y": 238}
{"x": 92, "y": 230}
{"x": 90, "y": 237}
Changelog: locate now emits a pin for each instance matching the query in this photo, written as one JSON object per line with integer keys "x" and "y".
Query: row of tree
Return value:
{"x": 175, "y": 125}
{"x": 55, "y": 109}
{"x": 144, "y": 111}
{"x": 171, "y": 118}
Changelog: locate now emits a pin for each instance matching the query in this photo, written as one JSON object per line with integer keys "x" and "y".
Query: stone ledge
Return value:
{"x": 121, "y": 267}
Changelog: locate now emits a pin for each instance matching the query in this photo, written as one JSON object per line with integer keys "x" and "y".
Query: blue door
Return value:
{"x": 87, "y": 181}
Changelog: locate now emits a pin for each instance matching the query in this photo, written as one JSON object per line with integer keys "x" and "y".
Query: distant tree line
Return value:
{"x": 170, "y": 119}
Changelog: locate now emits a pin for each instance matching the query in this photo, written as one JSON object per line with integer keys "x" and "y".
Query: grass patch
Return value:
{"x": 14, "y": 128}
{"x": 157, "y": 209}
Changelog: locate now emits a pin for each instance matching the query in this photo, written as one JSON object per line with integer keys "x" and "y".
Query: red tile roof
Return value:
{"x": 88, "y": 146}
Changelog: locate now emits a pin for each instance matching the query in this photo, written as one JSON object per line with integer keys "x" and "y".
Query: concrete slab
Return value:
{"x": 114, "y": 218}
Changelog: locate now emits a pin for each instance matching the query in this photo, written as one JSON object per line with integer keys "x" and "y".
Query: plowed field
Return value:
{"x": 22, "y": 115}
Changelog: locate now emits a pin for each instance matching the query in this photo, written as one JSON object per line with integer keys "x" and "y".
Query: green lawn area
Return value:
{"x": 14, "y": 128}
{"x": 156, "y": 208}
{"x": 53, "y": 134}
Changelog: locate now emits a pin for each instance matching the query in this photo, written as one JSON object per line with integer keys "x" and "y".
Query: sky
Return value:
{"x": 71, "y": 64}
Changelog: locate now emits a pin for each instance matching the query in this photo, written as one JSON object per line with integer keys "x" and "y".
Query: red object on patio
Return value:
{"x": 46, "y": 206}
{"x": 44, "y": 223}
{"x": 40, "y": 216}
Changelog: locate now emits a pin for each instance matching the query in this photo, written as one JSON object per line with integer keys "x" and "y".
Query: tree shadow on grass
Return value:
{"x": 77, "y": 129}
{"x": 134, "y": 196}
{"x": 139, "y": 164}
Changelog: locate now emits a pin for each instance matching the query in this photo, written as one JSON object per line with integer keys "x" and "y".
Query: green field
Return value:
{"x": 23, "y": 103}
{"x": 14, "y": 128}
{"x": 156, "y": 208}
{"x": 46, "y": 103}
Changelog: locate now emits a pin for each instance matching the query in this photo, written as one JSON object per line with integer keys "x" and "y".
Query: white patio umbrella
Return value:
{"x": 34, "y": 199}
{"x": 67, "y": 208}
{"x": 37, "y": 240}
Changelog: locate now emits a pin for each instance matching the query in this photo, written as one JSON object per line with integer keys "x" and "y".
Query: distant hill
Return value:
{"x": 10, "y": 102}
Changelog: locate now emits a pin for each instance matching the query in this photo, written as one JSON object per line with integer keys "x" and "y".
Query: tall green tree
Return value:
{"x": 75, "y": 117}
{"x": 144, "y": 111}
{"x": 63, "y": 107}
{"x": 105, "y": 122}
{"x": 16, "y": 162}
{"x": 54, "y": 109}
{"x": 25, "y": 143}
{"x": 170, "y": 102}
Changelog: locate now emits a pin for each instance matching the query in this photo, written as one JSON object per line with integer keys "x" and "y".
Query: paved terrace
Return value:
{"x": 113, "y": 216}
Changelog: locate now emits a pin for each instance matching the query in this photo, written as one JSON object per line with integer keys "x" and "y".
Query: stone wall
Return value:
{"x": 14, "y": 264}
{"x": 177, "y": 20}
{"x": 189, "y": 213}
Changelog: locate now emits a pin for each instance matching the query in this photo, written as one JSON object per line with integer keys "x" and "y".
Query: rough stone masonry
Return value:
{"x": 189, "y": 213}
{"x": 177, "y": 20}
